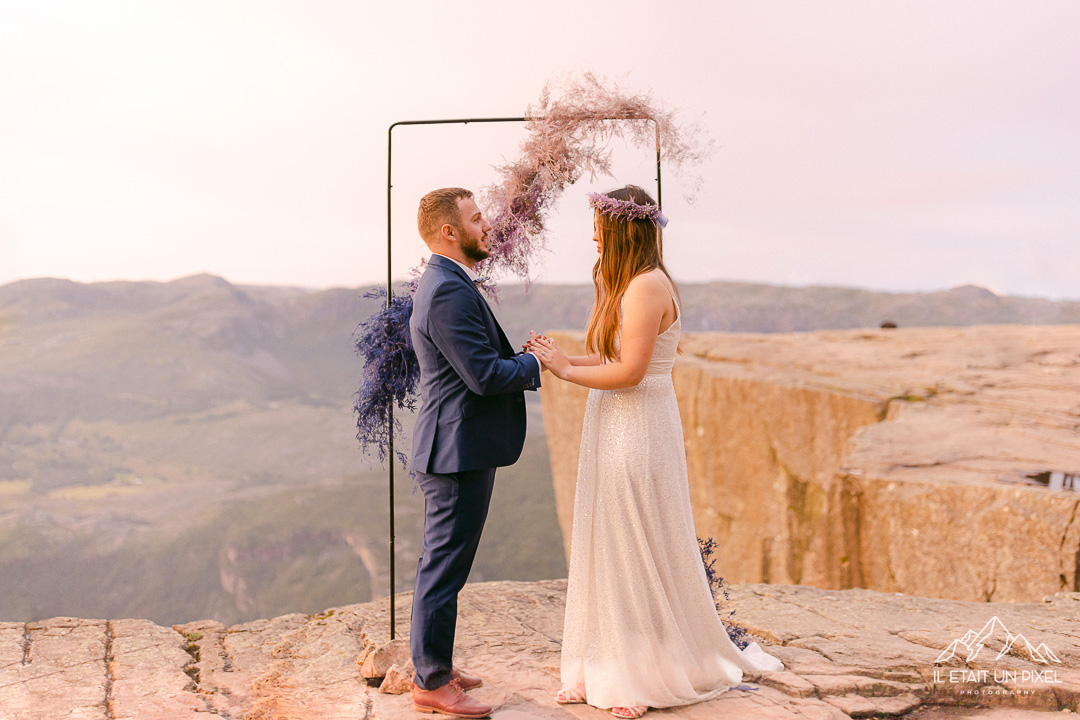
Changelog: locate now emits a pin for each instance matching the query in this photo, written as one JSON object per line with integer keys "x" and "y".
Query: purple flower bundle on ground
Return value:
{"x": 736, "y": 632}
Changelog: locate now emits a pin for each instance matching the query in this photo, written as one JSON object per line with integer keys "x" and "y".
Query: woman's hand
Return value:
{"x": 530, "y": 346}
{"x": 553, "y": 358}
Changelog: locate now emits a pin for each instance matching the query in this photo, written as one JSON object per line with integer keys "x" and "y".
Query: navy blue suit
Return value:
{"x": 471, "y": 421}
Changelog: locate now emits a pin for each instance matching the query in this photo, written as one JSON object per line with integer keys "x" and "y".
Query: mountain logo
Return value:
{"x": 1018, "y": 645}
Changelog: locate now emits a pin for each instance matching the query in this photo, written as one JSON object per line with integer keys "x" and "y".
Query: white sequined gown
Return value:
{"x": 641, "y": 627}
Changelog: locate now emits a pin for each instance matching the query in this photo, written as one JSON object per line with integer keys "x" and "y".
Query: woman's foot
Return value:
{"x": 634, "y": 711}
{"x": 572, "y": 696}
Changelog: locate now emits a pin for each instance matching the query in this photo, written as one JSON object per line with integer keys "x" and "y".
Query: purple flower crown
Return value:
{"x": 627, "y": 209}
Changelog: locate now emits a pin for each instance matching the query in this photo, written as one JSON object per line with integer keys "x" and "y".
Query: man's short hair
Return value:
{"x": 438, "y": 208}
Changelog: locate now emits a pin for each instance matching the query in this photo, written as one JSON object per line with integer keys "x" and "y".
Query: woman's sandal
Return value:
{"x": 572, "y": 696}
{"x": 634, "y": 711}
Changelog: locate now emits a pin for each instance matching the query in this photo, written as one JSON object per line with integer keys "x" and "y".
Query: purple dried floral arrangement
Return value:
{"x": 566, "y": 138}
{"x": 391, "y": 371}
{"x": 736, "y": 632}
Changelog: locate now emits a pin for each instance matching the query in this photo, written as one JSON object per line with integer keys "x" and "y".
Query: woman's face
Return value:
{"x": 596, "y": 234}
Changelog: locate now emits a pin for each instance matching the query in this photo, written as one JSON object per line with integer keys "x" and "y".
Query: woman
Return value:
{"x": 641, "y": 629}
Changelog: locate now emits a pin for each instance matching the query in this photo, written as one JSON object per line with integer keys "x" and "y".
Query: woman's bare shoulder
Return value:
{"x": 648, "y": 289}
{"x": 648, "y": 283}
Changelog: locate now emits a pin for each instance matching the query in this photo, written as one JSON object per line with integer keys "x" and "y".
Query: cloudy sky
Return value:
{"x": 890, "y": 145}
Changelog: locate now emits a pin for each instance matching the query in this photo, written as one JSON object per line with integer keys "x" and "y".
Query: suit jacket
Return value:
{"x": 471, "y": 382}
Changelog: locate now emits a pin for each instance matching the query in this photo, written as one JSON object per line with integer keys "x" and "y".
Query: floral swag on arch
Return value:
{"x": 566, "y": 138}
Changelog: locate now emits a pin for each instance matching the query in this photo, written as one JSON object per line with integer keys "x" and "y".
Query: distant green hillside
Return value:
{"x": 186, "y": 450}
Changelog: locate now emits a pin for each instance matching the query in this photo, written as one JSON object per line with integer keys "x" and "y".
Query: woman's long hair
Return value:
{"x": 627, "y": 249}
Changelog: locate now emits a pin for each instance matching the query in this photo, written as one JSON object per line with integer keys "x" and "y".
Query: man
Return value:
{"x": 472, "y": 421}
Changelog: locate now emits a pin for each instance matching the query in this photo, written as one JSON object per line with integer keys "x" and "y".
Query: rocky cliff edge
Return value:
{"x": 929, "y": 461}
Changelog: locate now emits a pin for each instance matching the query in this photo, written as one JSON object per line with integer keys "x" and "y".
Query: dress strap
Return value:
{"x": 671, "y": 293}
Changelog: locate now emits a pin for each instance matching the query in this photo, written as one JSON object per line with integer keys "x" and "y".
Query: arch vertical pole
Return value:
{"x": 659, "y": 197}
{"x": 390, "y": 403}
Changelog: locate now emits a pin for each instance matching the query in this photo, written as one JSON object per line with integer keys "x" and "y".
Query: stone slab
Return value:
{"x": 147, "y": 667}
{"x": 61, "y": 674}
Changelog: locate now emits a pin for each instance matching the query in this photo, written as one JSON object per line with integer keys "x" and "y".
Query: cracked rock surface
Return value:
{"x": 847, "y": 653}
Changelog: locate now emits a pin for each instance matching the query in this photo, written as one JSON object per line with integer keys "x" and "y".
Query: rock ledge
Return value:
{"x": 848, "y": 653}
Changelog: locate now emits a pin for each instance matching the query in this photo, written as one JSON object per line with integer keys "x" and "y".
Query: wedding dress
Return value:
{"x": 641, "y": 627}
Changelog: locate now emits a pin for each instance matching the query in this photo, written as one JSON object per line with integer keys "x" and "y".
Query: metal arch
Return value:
{"x": 389, "y": 291}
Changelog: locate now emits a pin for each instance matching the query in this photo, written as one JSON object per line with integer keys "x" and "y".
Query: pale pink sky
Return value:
{"x": 889, "y": 145}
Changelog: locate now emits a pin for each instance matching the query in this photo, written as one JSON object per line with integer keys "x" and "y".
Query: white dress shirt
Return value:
{"x": 473, "y": 275}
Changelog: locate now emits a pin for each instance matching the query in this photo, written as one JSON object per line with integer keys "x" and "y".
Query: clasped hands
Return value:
{"x": 550, "y": 355}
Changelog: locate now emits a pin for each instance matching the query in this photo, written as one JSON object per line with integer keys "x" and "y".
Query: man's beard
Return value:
{"x": 471, "y": 249}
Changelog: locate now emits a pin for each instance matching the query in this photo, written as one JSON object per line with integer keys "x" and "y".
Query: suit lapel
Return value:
{"x": 453, "y": 267}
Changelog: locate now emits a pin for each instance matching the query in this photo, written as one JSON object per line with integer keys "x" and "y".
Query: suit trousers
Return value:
{"x": 455, "y": 508}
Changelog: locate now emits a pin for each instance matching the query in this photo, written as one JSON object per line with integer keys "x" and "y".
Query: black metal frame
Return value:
{"x": 389, "y": 291}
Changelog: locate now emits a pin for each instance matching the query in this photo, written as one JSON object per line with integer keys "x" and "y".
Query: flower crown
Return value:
{"x": 627, "y": 209}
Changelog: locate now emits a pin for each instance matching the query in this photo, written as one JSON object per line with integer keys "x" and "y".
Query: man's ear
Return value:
{"x": 448, "y": 233}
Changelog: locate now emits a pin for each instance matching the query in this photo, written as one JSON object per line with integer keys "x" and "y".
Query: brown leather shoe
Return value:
{"x": 467, "y": 682}
{"x": 450, "y": 699}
